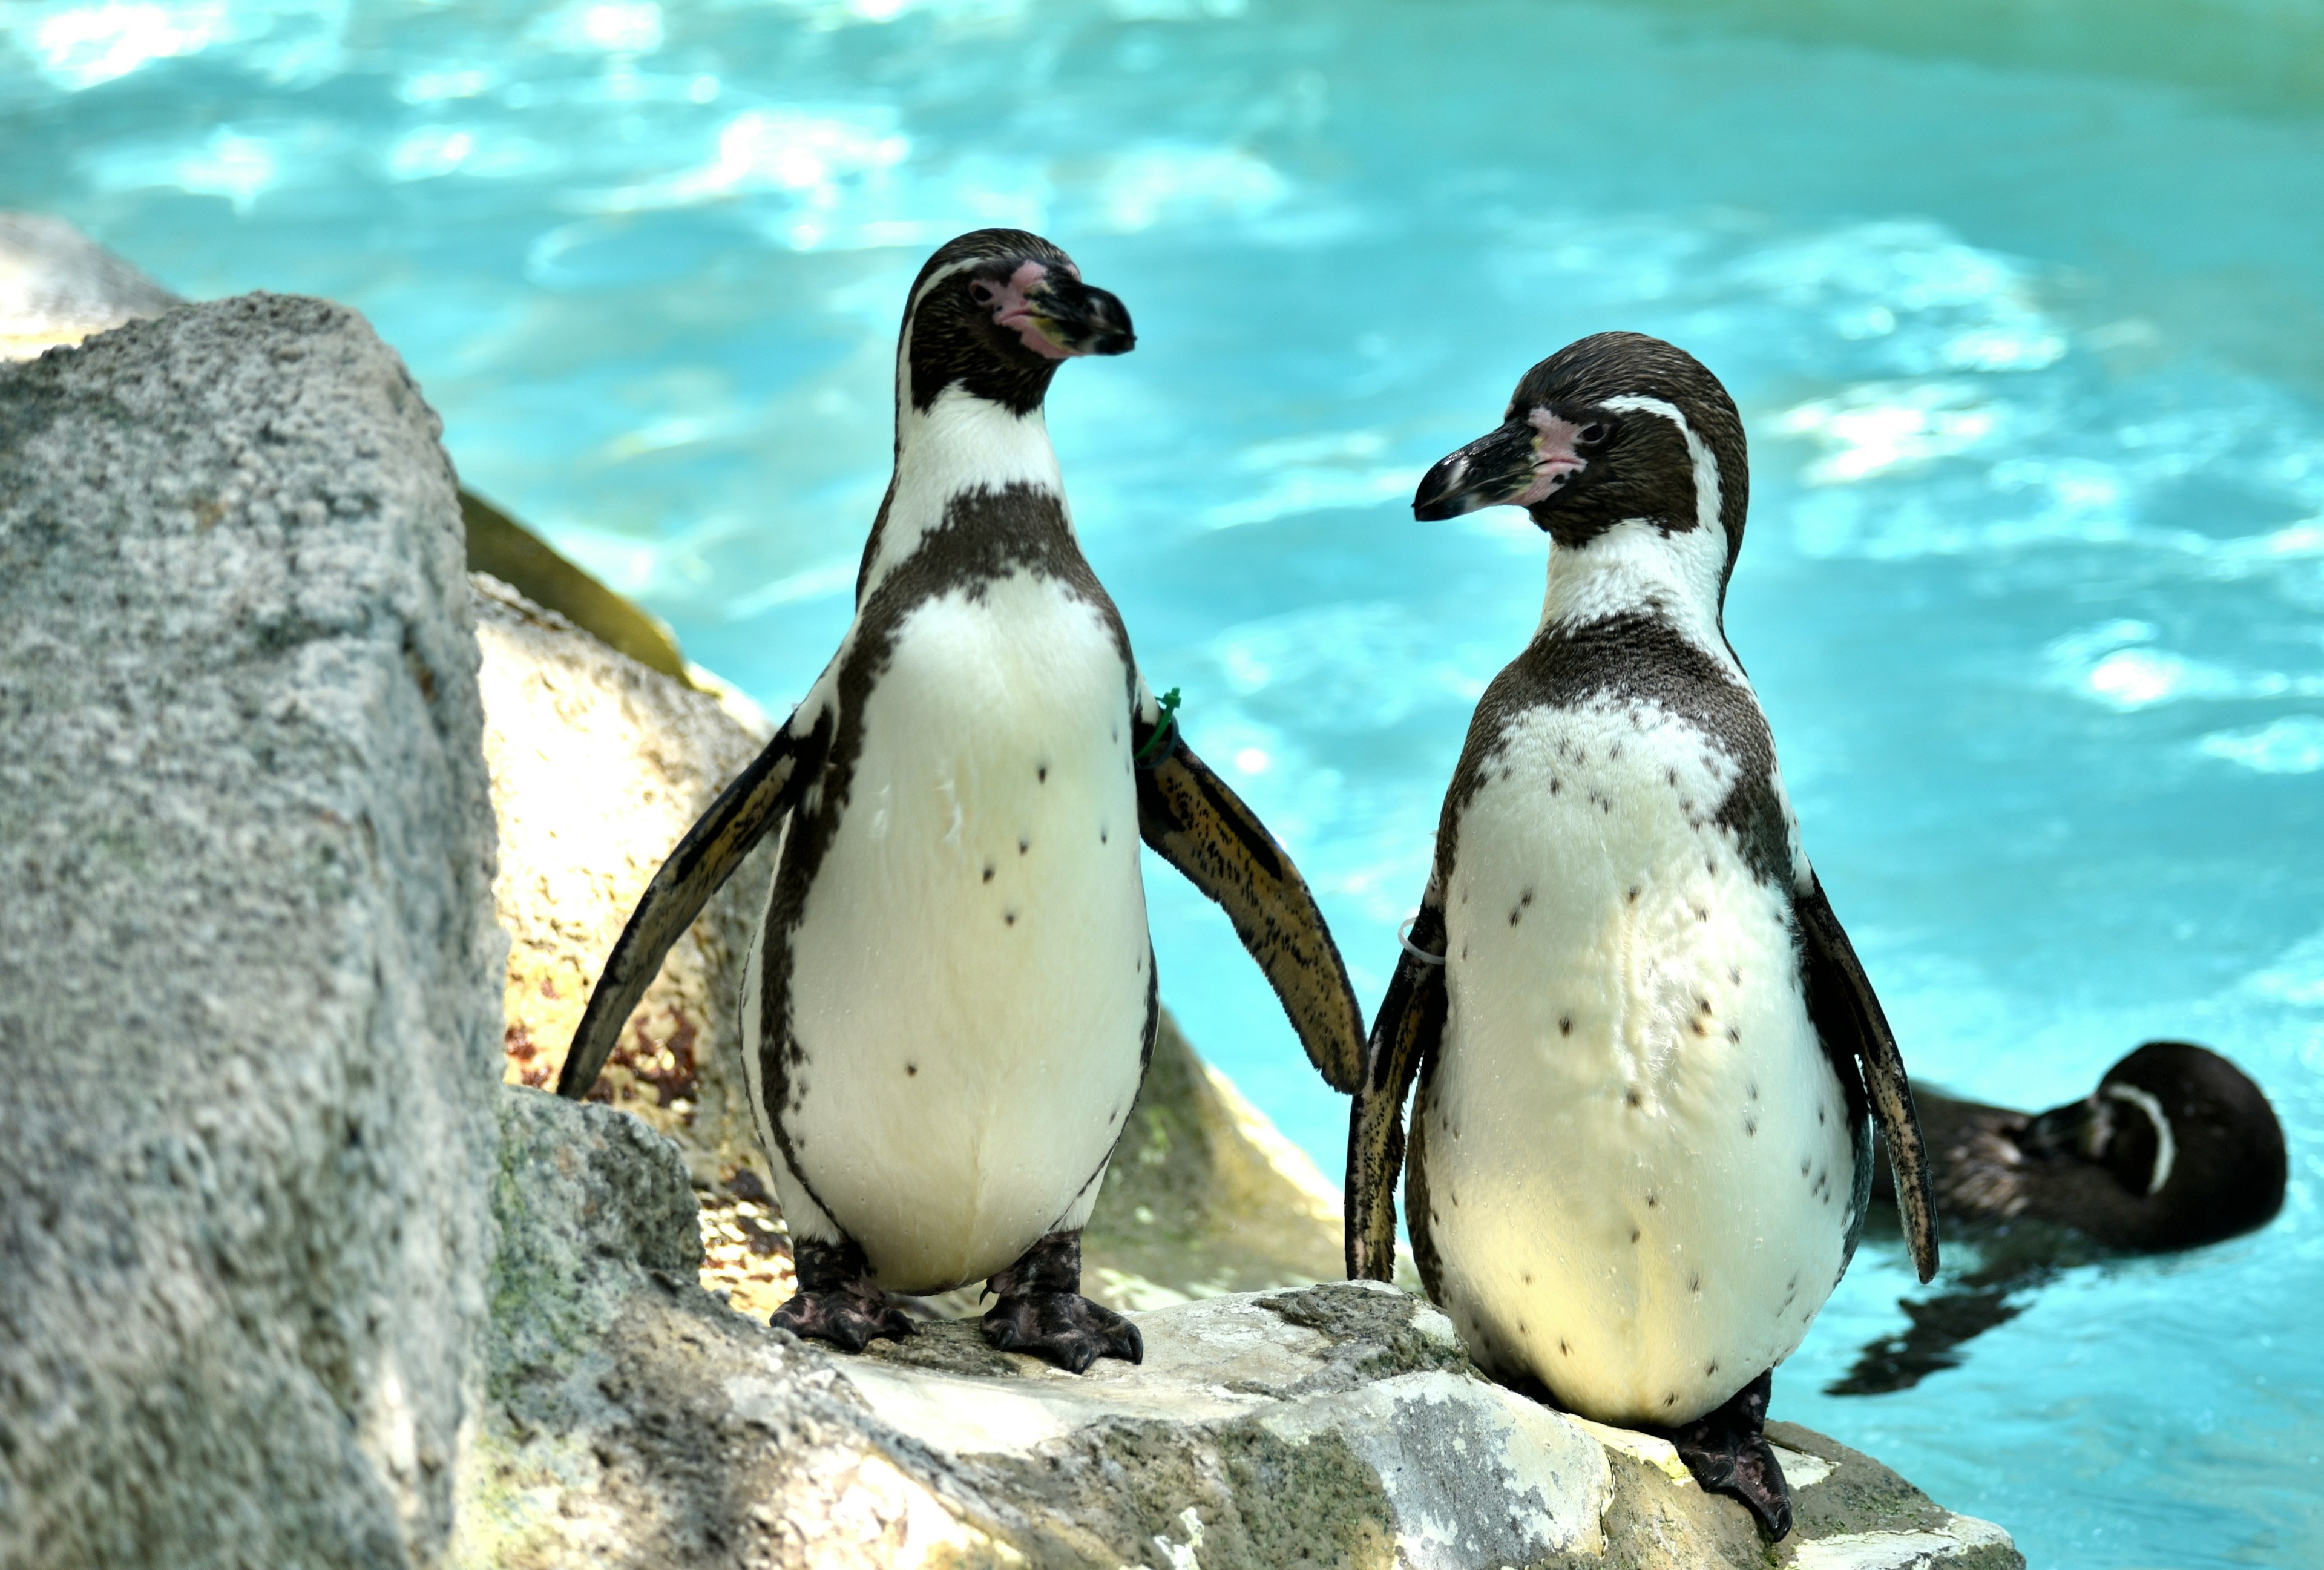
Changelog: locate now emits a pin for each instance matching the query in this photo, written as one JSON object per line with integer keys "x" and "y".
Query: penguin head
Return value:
{"x": 996, "y": 312}
{"x": 1611, "y": 428}
{"x": 2194, "y": 1151}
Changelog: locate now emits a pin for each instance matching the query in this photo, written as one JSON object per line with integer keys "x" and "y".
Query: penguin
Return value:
{"x": 1639, "y": 1156}
{"x": 950, "y": 1000}
{"x": 2176, "y": 1148}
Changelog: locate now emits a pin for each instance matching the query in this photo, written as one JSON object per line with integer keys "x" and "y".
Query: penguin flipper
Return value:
{"x": 1404, "y": 1035}
{"x": 1845, "y": 1011}
{"x": 745, "y": 812}
{"x": 1195, "y": 823}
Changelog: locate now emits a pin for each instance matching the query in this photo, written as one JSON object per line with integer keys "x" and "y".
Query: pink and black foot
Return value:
{"x": 837, "y": 1300}
{"x": 1042, "y": 1311}
{"x": 1727, "y": 1450}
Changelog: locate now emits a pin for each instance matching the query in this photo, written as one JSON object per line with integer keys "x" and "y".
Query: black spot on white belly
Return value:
{"x": 1009, "y": 917}
{"x": 1564, "y": 1021}
{"x": 988, "y": 871}
{"x": 1023, "y": 844}
{"x": 910, "y": 1069}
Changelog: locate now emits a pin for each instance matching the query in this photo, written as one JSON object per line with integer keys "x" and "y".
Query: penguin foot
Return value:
{"x": 1064, "y": 1328}
{"x": 837, "y": 1300}
{"x": 1728, "y": 1451}
{"x": 1042, "y": 1310}
{"x": 844, "y": 1316}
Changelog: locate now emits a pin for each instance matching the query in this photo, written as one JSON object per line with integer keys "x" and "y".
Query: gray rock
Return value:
{"x": 636, "y": 1421}
{"x": 248, "y": 1013}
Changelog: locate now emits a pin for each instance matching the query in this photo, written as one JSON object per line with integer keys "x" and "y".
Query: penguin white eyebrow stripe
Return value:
{"x": 2166, "y": 1148}
{"x": 1707, "y": 499}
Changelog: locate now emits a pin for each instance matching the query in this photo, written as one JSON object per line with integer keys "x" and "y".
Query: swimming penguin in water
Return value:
{"x": 951, "y": 999}
{"x": 1639, "y": 1159}
{"x": 2176, "y": 1148}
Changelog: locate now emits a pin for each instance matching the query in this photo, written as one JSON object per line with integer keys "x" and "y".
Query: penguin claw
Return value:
{"x": 1064, "y": 1328}
{"x": 851, "y": 1316}
{"x": 1728, "y": 1452}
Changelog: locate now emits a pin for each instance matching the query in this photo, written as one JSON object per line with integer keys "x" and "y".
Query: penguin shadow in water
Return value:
{"x": 2176, "y": 1148}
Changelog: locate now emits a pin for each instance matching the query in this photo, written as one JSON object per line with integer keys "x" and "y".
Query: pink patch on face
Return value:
{"x": 1554, "y": 458}
{"x": 1012, "y": 309}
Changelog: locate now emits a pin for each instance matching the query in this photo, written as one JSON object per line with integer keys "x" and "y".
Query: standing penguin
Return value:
{"x": 950, "y": 1000}
{"x": 1639, "y": 1158}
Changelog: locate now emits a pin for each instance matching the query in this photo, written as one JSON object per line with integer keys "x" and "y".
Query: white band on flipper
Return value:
{"x": 1404, "y": 937}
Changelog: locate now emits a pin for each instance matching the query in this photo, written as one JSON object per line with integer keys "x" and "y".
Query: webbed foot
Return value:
{"x": 837, "y": 1300}
{"x": 1727, "y": 1450}
{"x": 1041, "y": 1310}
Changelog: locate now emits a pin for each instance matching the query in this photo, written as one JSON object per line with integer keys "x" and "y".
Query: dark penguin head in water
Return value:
{"x": 2176, "y": 1146}
{"x": 1612, "y": 430}
{"x": 995, "y": 313}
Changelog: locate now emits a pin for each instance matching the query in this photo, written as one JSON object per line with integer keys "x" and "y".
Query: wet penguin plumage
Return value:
{"x": 1639, "y": 1158}
{"x": 950, "y": 1000}
{"x": 2176, "y": 1148}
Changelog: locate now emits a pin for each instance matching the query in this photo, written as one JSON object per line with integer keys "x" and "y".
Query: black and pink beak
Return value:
{"x": 1057, "y": 316}
{"x": 1527, "y": 461}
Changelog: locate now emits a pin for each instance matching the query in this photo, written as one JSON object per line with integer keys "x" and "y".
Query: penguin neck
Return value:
{"x": 958, "y": 445}
{"x": 1637, "y": 570}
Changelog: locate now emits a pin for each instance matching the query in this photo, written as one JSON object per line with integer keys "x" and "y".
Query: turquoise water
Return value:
{"x": 2023, "y": 304}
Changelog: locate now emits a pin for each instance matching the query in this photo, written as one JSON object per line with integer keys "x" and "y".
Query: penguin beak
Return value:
{"x": 1077, "y": 320}
{"x": 2077, "y": 1130}
{"x": 1521, "y": 464}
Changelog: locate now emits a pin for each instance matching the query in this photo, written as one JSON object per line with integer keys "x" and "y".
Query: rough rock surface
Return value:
{"x": 57, "y": 286}
{"x": 245, "y": 1007}
{"x": 637, "y": 1422}
{"x": 598, "y": 766}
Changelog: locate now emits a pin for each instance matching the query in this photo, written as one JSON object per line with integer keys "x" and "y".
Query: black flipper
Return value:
{"x": 1845, "y": 1010}
{"x": 1041, "y": 1310}
{"x": 745, "y": 813}
{"x": 1200, "y": 827}
{"x": 1727, "y": 1450}
{"x": 1404, "y": 1034}
{"x": 837, "y": 1300}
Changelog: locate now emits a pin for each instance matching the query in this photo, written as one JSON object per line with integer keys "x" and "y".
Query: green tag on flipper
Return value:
{"x": 1163, "y": 729}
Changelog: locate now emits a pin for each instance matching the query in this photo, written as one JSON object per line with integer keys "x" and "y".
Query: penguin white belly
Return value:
{"x": 1637, "y": 1161}
{"x": 970, "y": 973}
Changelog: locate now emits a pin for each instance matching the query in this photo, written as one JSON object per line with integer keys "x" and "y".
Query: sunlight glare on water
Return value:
{"x": 2025, "y": 310}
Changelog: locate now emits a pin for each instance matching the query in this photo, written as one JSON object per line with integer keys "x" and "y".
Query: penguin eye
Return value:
{"x": 982, "y": 292}
{"x": 1592, "y": 434}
